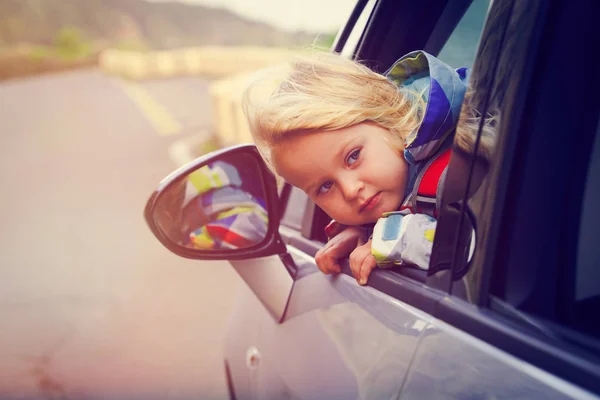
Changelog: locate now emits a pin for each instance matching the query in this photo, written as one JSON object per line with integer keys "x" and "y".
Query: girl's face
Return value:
{"x": 352, "y": 173}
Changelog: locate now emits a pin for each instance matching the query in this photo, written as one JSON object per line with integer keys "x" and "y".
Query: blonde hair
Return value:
{"x": 325, "y": 91}
{"x": 468, "y": 127}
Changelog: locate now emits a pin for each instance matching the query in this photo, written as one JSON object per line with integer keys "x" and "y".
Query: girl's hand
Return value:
{"x": 362, "y": 263}
{"x": 340, "y": 246}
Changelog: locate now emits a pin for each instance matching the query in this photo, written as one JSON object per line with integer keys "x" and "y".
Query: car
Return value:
{"x": 510, "y": 305}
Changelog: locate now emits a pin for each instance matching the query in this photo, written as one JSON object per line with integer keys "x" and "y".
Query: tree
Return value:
{"x": 70, "y": 42}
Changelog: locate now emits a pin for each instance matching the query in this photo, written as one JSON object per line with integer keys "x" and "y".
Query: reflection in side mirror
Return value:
{"x": 220, "y": 205}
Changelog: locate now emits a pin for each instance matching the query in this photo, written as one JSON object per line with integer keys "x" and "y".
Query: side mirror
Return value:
{"x": 222, "y": 206}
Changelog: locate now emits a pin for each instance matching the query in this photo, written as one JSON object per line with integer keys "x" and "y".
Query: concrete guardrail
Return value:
{"x": 231, "y": 67}
{"x": 211, "y": 61}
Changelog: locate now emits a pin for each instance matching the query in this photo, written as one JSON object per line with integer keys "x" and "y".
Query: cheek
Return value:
{"x": 331, "y": 207}
{"x": 391, "y": 166}
{"x": 395, "y": 171}
{"x": 323, "y": 204}
{"x": 402, "y": 176}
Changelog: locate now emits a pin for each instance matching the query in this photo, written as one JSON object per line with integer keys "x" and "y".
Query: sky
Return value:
{"x": 310, "y": 15}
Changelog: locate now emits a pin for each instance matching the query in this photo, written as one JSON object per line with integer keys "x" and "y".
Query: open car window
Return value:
{"x": 468, "y": 26}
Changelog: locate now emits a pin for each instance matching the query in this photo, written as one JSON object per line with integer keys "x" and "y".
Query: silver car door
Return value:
{"x": 338, "y": 341}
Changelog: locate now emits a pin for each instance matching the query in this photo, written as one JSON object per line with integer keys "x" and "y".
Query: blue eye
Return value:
{"x": 353, "y": 157}
{"x": 324, "y": 188}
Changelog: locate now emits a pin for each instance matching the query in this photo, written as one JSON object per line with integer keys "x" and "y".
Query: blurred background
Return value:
{"x": 100, "y": 99}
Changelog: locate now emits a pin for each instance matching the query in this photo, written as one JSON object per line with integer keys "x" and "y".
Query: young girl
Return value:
{"x": 369, "y": 149}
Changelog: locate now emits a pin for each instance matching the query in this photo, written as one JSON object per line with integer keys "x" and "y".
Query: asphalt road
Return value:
{"x": 92, "y": 306}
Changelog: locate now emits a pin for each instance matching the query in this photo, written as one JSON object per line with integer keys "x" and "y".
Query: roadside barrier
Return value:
{"x": 210, "y": 61}
{"x": 230, "y": 68}
{"x": 229, "y": 122}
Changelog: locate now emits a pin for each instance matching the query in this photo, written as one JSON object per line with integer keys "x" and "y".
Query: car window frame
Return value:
{"x": 349, "y": 37}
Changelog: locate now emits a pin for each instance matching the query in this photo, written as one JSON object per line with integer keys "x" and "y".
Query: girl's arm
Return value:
{"x": 342, "y": 241}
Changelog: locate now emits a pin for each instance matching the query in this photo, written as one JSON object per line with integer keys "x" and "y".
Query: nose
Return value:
{"x": 350, "y": 187}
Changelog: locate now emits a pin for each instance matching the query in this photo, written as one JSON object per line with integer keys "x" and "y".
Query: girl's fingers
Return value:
{"x": 356, "y": 259}
{"x": 326, "y": 262}
{"x": 368, "y": 265}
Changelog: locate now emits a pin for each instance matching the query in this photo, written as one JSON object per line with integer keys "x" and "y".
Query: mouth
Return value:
{"x": 370, "y": 203}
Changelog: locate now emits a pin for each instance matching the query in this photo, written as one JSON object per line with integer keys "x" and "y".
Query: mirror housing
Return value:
{"x": 259, "y": 175}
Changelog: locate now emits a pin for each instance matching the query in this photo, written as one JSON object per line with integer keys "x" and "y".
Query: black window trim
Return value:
{"x": 346, "y": 30}
{"x": 447, "y": 23}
